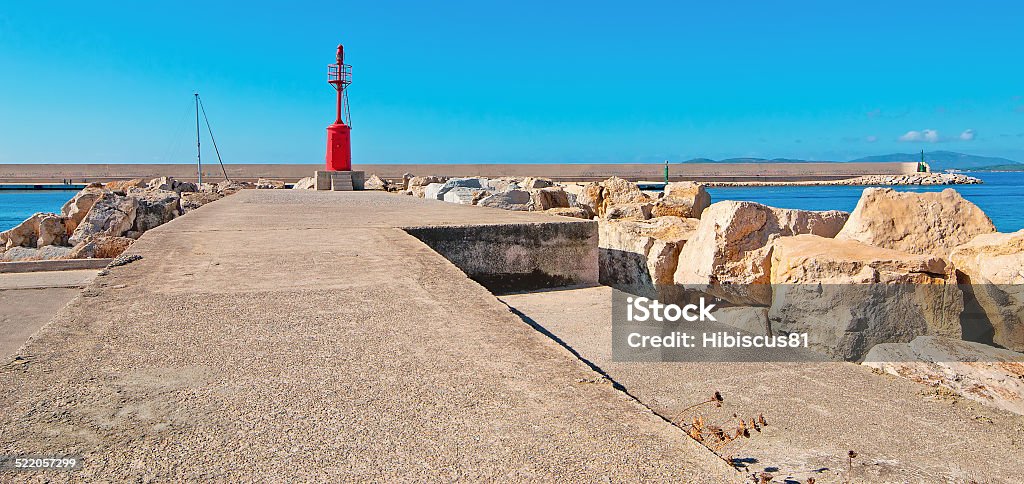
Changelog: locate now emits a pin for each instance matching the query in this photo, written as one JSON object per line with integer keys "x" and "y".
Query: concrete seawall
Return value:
{"x": 515, "y": 257}
{"x": 731, "y": 172}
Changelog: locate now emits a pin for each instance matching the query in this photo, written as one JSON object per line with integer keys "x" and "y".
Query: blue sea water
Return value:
{"x": 1001, "y": 197}
{"x": 18, "y": 205}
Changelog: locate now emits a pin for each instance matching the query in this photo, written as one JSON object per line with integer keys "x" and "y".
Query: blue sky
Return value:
{"x": 523, "y": 81}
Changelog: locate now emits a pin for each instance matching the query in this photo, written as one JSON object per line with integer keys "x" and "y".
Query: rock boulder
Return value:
{"x": 730, "y": 252}
{"x": 375, "y": 182}
{"x": 548, "y": 198}
{"x": 52, "y": 231}
{"x": 422, "y": 181}
{"x": 100, "y": 247}
{"x": 170, "y": 184}
{"x": 306, "y": 183}
{"x": 682, "y": 199}
{"x": 752, "y": 319}
{"x": 601, "y": 197}
{"x": 982, "y": 373}
{"x": 464, "y": 196}
{"x": 518, "y": 200}
{"x": 503, "y": 184}
{"x": 112, "y": 214}
{"x": 574, "y": 212}
{"x": 918, "y": 223}
{"x": 990, "y": 268}
{"x": 192, "y": 201}
{"x": 531, "y": 183}
{"x": 25, "y": 234}
{"x": 18, "y": 253}
{"x": 123, "y": 186}
{"x": 640, "y": 256}
{"x": 74, "y": 210}
{"x": 431, "y": 191}
{"x": 228, "y": 187}
{"x": 268, "y": 184}
{"x": 439, "y": 191}
{"x": 629, "y": 211}
{"x": 848, "y": 296}
{"x": 156, "y": 207}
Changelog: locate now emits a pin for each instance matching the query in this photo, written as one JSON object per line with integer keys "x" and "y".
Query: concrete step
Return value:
{"x": 341, "y": 181}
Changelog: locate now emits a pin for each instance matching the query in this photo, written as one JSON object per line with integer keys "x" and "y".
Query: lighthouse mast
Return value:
{"x": 339, "y": 134}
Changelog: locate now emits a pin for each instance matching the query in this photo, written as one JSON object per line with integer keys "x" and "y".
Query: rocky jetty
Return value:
{"x": 868, "y": 180}
{"x": 507, "y": 193}
{"x": 102, "y": 220}
{"x": 914, "y": 179}
{"x": 902, "y": 277}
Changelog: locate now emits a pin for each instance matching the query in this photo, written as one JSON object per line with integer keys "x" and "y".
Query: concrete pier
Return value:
{"x": 281, "y": 333}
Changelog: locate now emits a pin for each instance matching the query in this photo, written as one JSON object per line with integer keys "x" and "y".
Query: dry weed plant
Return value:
{"x": 849, "y": 464}
{"x": 724, "y": 438}
{"x": 729, "y": 436}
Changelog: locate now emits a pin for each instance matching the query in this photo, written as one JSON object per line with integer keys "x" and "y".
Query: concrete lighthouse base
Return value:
{"x": 339, "y": 181}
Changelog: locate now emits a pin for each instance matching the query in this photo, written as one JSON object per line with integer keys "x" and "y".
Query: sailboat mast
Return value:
{"x": 199, "y": 152}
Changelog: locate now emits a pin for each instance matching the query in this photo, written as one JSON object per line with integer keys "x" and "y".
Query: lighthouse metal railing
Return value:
{"x": 339, "y": 75}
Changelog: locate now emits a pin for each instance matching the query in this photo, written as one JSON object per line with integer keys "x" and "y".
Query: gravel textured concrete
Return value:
{"x": 902, "y": 431}
{"x": 291, "y": 334}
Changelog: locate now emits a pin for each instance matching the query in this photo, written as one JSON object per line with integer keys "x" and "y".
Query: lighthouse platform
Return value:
{"x": 339, "y": 181}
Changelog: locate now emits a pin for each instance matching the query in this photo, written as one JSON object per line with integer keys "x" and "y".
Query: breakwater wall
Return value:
{"x": 722, "y": 172}
{"x": 516, "y": 257}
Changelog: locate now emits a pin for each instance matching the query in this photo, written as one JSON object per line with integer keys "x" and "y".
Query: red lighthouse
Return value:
{"x": 339, "y": 134}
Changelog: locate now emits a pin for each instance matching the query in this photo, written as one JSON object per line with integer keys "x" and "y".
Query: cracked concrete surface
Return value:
{"x": 817, "y": 412}
{"x": 294, "y": 334}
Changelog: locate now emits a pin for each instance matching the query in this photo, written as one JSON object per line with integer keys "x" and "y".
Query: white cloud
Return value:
{"x": 871, "y": 139}
{"x": 967, "y": 135}
{"x": 911, "y": 136}
{"x": 926, "y": 135}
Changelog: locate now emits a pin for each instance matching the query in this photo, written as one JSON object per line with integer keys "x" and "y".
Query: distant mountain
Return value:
{"x": 1010, "y": 167}
{"x": 946, "y": 160}
{"x": 747, "y": 160}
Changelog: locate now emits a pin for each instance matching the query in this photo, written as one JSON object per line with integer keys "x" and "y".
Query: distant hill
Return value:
{"x": 1010, "y": 167}
{"x": 946, "y": 160}
{"x": 748, "y": 160}
{"x": 938, "y": 160}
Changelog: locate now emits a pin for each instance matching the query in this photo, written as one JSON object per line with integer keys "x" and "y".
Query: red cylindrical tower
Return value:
{"x": 339, "y": 134}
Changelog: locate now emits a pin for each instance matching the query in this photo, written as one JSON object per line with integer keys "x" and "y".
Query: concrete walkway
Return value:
{"x": 278, "y": 334}
{"x": 817, "y": 412}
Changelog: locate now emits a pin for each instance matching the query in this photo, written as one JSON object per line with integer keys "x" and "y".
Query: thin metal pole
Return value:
{"x": 213, "y": 140}
{"x": 199, "y": 151}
